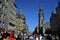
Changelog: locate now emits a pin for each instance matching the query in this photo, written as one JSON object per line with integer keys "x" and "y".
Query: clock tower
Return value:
{"x": 41, "y": 20}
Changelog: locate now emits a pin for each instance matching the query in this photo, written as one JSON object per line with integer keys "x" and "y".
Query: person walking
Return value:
{"x": 0, "y": 36}
{"x": 5, "y": 36}
{"x": 37, "y": 38}
{"x": 31, "y": 38}
{"x": 19, "y": 37}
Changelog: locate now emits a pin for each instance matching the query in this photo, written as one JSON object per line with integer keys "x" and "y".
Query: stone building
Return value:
{"x": 8, "y": 18}
{"x": 21, "y": 22}
{"x": 7, "y": 14}
{"x": 55, "y": 19}
{"x": 46, "y": 27}
{"x": 55, "y": 23}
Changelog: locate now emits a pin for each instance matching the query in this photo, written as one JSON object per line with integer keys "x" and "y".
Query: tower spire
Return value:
{"x": 41, "y": 7}
{"x": 41, "y": 16}
{"x": 41, "y": 19}
{"x": 21, "y": 12}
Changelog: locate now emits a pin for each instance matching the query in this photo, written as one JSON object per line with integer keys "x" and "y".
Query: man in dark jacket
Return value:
{"x": 19, "y": 37}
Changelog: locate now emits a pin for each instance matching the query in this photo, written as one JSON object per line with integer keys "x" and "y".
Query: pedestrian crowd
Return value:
{"x": 21, "y": 36}
{"x": 7, "y": 36}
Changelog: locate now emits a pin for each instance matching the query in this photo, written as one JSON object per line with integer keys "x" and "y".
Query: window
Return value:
{"x": 7, "y": 3}
{"x": 13, "y": 8}
{"x": 3, "y": 22}
{"x": 12, "y": 13}
{"x": 1, "y": 14}
{"x": 15, "y": 5}
{"x": 3, "y": 7}
{"x": 23, "y": 22}
{"x": 11, "y": 24}
{"x": 4, "y": 14}
{"x": 6, "y": 0}
{"x": 0, "y": 21}
{"x": 4, "y": 17}
{"x": 0, "y": 4}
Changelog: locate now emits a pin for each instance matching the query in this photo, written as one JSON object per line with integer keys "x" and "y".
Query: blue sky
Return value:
{"x": 31, "y": 8}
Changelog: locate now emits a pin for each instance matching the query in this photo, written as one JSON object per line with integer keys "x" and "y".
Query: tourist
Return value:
{"x": 31, "y": 38}
{"x": 40, "y": 37}
{"x": 5, "y": 36}
{"x": 37, "y": 38}
{"x": 0, "y": 36}
{"x": 19, "y": 37}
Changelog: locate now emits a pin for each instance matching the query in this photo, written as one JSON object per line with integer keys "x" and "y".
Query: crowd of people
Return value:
{"x": 6, "y": 36}
{"x": 10, "y": 36}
